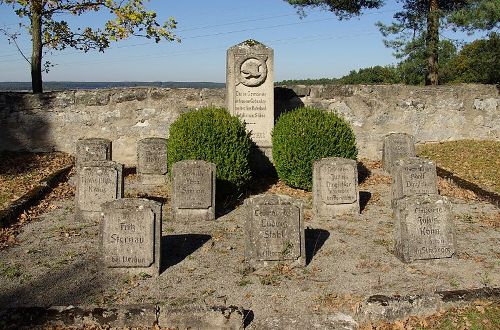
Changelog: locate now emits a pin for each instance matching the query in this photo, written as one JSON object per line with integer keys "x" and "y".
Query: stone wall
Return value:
{"x": 55, "y": 120}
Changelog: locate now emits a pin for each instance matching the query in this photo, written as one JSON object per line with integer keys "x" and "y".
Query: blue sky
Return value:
{"x": 312, "y": 47}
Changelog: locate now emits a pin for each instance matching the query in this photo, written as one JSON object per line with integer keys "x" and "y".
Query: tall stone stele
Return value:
{"x": 250, "y": 92}
{"x": 397, "y": 146}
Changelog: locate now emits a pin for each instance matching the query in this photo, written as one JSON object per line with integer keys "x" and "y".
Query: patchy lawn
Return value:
{"x": 21, "y": 171}
{"x": 474, "y": 161}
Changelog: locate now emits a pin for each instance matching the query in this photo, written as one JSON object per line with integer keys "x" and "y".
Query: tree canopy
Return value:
{"x": 49, "y": 30}
{"x": 341, "y": 8}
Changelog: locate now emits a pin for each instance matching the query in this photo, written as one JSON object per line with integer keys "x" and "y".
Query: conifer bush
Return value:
{"x": 213, "y": 135}
{"x": 304, "y": 135}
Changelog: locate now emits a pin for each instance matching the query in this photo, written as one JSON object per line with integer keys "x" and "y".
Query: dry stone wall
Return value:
{"x": 56, "y": 120}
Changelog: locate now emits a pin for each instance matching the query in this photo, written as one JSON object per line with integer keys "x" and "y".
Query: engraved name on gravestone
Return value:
{"x": 413, "y": 176}
{"x": 193, "y": 190}
{"x": 152, "y": 160}
{"x": 397, "y": 146}
{"x": 250, "y": 88}
{"x": 274, "y": 230}
{"x": 98, "y": 182}
{"x": 335, "y": 187}
{"x": 92, "y": 149}
{"x": 131, "y": 234}
{"x": 424, "y": 228}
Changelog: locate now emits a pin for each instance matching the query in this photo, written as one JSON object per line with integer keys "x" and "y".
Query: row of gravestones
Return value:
{"x": 131, "y": 227}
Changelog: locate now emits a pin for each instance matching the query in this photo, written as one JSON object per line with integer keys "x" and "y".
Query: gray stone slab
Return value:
{"x": 193, "y": 190}
{"x": 97, "y": 182}
{"x": 335, "y": 187}
{"x": 92, "y": 149}
{"x": 250, "y": 88}
{"x": 424, "y": 228}
{"x": 397, "y": 146}
{"x": 131, "y": 234}
{"x": 274, "y": 230}
{"x": 152, "y": 161}
{"x": 413, "y": 176}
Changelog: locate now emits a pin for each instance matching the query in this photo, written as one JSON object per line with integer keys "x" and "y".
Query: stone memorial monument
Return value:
{"x": 193, "y": 190}
{"x": 131, "y": 234}
{"x": 424, "y": 228}
{"x": 413, "y": 176}
{"x": 397, "y": 146}
{"x": 92, "y": 149}
{"x": 335, "y": 187}
{"x": 274, "y": 230}
{"x": 97, "y": 182}
{"x": 152, "y": 161}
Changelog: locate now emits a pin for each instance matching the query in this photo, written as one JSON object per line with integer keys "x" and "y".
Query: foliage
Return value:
{"x": 372, "y": 75}
{"x": 341, "y": 8}
{"x": 304, "y": 135}
{"x": 50, "y": 32}
{"x": 213, "y": 135}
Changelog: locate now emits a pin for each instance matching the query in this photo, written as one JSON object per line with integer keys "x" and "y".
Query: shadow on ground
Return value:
{"x": 314, "y": 240}
{"x": 176, "y": 248}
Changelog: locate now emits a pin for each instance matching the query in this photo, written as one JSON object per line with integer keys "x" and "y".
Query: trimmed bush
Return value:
{"x": 213, "y": 135}
{"x": 304, "y": 135}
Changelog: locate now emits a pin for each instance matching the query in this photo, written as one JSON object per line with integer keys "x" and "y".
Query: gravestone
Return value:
{"x": 424, "y": 228}
{"x": 250, "y": 96}
{"x": 335, "y": 187}
{"x": 413, "y": 176}
{"x": 193, "y": 190}
{"x": 397, "y": 146}
{"x": 152, "y": 161}
{"x": 98, "y": 182}
{"x": 131, "y": 234}
{"x": 92, "y": 149}
{"x": 274, "y": 230}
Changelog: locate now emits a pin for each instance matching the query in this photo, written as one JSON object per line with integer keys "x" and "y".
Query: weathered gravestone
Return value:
{"x": 92, "y": 149}
{"x": 152, "y": 161}
{"x": 193, "y": 190}
{"x": 397, "y": 146}
{"x": 335, "y": 187}
{"x": 424, "y": 228}
{"x": 274, "y": 230}
{"x": 250, "y": 95}
{"x": 413, "y": 176}
{"x": 131, "y": 234}
{"x": 98, "y": 182}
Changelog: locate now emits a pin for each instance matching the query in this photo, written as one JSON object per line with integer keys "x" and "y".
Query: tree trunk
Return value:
{"x": 36, "y": 54}
{"x": 432, "y": 43}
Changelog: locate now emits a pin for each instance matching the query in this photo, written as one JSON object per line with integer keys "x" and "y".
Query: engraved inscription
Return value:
{"x": 152, "y": 158}
{"x": 193, "y": 187}
{"x": 96, "y": 186}
{"x": 338, "y": 184}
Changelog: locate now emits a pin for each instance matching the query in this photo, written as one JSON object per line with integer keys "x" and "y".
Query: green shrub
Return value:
{"x": 213, "y": 135}
{"x": 304, "y": 135}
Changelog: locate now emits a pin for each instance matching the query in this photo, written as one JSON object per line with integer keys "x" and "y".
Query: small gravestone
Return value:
{"x": 274, "y": 230}
{"x": 193, "y": 185}
{"x": 424, "y": 228}
{"x": 98, "y": 182}
{"x": 131, "y": 234}
{"x": 413, "y": 176}
{"x": 92, "y": 149}
{"x": 397, "y": 146}
{"x": 335, "y": 187}
{"x": 152, "y": 161}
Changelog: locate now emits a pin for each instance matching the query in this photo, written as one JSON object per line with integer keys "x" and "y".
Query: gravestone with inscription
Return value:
{"x": 152, "y": 161}
{"x": 335, "y": 187}
{"x": 92, "y": 149}
{"x": 131, "y": 234}
{"x": 193, "y": 190}
{"x": 424, "y": 228}
{"x": 274, "y": 230}
{"x": 397, "y": 146}
{"x": 250, "y": 96}
{"x": 98, "y": 182}
{"x": 413, "y": 176}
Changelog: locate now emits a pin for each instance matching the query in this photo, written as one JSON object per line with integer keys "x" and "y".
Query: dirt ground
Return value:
{"x": 57, "y": 261}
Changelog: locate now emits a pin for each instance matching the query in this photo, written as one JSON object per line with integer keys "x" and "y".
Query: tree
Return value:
{"x": 341, "y": 8}
{"x": 423, "y": 19}
{"x": 50, "y": 32}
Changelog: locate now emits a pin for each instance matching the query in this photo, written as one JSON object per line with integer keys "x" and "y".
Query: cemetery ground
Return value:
{"x": 352, "y": 277}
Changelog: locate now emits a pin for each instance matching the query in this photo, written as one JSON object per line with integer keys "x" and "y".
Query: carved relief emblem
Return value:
{"x": 252, "y": 71}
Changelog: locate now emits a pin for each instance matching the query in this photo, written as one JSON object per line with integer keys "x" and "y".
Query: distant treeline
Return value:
{"x": 65, "y": 85}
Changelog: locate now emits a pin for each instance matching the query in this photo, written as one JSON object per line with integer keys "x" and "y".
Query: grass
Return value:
{"x": 474, "y": 161}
